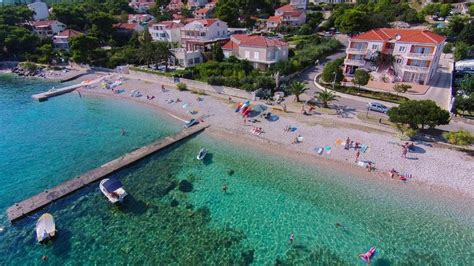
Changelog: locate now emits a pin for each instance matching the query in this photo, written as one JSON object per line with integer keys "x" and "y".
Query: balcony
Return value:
{"x": 420, "y": 55}
{"x": 416, "y": 68}
{"x": 356, "y": 51}
{"x": 354, "y": 62}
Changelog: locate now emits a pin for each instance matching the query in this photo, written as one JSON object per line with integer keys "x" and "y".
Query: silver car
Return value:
{"x": 377, "y": 107}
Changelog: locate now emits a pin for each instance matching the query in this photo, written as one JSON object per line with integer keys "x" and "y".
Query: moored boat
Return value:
{"x": 191, "y": 123}
{"x": 113, "y": 189}
{"x": 45, "y": 228}
{"x": 202, "y": 153}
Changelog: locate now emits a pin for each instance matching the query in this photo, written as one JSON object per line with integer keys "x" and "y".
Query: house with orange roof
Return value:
{"x": 201, "y": 34}
{"x": 61, "y": 40}
{"x": 411, "y": 55}
{"x": 261, "y": 51}
{"x": 287, "y": 15}
{"x": 202, "y": 13}
{"x": 127, "y": 28}
{"x": 166, "y": 31}
{"x": 47, "y": 28}
{"x": 143, "y": 19}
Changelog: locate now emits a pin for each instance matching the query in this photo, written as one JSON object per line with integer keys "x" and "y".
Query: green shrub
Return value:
{"x": 198, "y": 91}
{"x": 181, "y": 86}
{"x": 28, "y": 66}
{"x": 410, "y": 132}
{"x": 460, "y": 137}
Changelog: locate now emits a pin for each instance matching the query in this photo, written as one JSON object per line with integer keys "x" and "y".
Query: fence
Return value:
{"x": 193, "y": 84}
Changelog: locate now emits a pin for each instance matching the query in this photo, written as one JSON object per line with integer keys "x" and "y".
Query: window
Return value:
{"x": 255, "y": 55}
{"x": 190, "y": 61}
{"x": 399, "y": 61}
{"x": 402, "y": 49}
{"x": 374, "y": 46}
{"x": 247, "y": 54}
{"x": 203, "y": 34}
{"x": 197, "y": 60}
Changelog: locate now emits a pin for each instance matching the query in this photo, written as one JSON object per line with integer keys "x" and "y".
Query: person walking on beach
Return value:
{"x": 163, "y": 88}
{"x": 292, "y": 238}
{"x": 404, "y": 152}
{"x": 357, "y": 155}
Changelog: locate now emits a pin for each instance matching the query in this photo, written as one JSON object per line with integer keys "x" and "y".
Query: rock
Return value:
{"x": 185, "y": 186}
{"x": 174, "y": 203}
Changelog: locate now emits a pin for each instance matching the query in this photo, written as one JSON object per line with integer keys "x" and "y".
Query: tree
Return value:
{"x": 16, "y": 41}
{"x": 216, "y": 53}
{"x": 419, "y": 113}
{"x": 461, "y": 51}
{"x": 361, "y": 77}
{"x": 306, "y": 29}
{"x": 464, "y": 103}
{"x": 467, "y": 84}
{"x": 145, "y": 36}
{"x": 455, "y": 25}
{"x": 46, "y": 53}
{"x": 448, "y": 48}
{"x": 82, "y": 47}
{"x": 467, "y": 34}
{"x": 325, "y": 97}
{"x": 14, "y": 15}
{"x": 116, "y": 7}
{"x": 352, "y": 21}
{"x": 162, "y": 3}
{"x": 101, "y": 25}
{"x": 186, "y": 13}
{"x": 401, "y": 88}
{"x": 228, "y": 11}
{"x": 297, "y": 88}
{"x": 332, "y": 72}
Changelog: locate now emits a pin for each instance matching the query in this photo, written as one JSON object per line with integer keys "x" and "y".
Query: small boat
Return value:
{"x": 113, "y": 189}
{"x": 45, "y": 228}
{"x": 191, "y": 123}
{"x": 202, "y": 153}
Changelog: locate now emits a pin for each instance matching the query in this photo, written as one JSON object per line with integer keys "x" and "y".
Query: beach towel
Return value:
{"x": 339, "y": 141}
{"x": 363, "y": 148}
{"x": 293, "y": 129}
{"x": 300, "y": 139}
{"x": 319, "y": 150}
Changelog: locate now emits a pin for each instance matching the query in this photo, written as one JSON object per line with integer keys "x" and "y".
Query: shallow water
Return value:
{"x": 268, "y": 198}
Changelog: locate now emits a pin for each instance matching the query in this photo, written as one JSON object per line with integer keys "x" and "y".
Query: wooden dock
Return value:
{"x": 41, "y": 200}
{"x": 43, "y": 96}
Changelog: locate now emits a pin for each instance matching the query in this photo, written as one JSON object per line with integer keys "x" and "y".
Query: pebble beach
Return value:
{"x": 429, "y": 164}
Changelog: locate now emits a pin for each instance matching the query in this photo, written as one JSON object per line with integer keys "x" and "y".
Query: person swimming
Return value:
{"x": 292, "y": 238}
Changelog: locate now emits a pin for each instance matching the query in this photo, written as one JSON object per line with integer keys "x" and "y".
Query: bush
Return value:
{"x": 418, "y": 113}
{"x": 181, "y": 86}
{"x": 198, "y": 91}
{"x": 410, "y": 132}
{"x": 331, "y": 68}
{"x": 28, "y": 66}
{"x": 460, "y": 137}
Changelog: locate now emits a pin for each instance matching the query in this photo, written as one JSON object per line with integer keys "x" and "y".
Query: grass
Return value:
{"x": 376, "y": 95}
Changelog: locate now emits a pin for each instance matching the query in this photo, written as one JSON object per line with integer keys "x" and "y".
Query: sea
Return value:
{"x": 177, "y": 213}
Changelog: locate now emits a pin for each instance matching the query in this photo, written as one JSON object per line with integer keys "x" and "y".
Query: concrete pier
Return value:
{"x": 56, "y": 92}
{"x": 41, "y": 200}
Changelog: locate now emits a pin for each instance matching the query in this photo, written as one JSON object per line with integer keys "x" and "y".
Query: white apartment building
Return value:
{"x": 416, "y": 53}
{"x": 166, "y": 31}
{"x": 262, "y": 52}
{"x": 47, "y": 28}
{"x": 200, "y": 34}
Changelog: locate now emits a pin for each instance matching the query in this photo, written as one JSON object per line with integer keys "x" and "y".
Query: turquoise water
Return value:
{"x": 268, "y": 198}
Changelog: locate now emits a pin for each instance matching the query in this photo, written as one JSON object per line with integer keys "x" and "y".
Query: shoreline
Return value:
{"x": 239, "y": 135}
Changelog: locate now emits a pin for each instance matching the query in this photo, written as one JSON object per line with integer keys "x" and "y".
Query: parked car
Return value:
{"x": 377, "y": 107}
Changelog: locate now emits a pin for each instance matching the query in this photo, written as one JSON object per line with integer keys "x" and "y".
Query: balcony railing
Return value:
{"x": 419, "y": 55}
{"x": 354, "y": 62}
{"x": 416, "y": 68}
{"x": 356, "y": 51}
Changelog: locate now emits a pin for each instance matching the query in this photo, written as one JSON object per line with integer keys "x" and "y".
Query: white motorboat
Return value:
{"x": 113, "y": 189}
{"x": 202, "y": 153}
{"x": 45, "y": 228}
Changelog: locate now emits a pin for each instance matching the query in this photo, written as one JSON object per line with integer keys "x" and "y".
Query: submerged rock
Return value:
{"x": 174, "y": 203}
{"x": 247, "y": 257}
{"x": 230, "y": 172}
{"x": 185, "y": 186}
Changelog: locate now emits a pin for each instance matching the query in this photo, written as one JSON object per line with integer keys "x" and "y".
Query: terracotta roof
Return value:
{"x": 230, "y": 45}
{"x": 202, "y": 11}
{"x": 205, "y": 22}
{"x": 68, "y": 33}
{"x": 276, "y": 19}
{"x": 256, "y": 41}
{"x": 401, "y": 35}
{"x": 125, "y": 26}
{"x": 170, "y": 24}
{"x": 43, "y": 23}
{"x": 286, "y": 8}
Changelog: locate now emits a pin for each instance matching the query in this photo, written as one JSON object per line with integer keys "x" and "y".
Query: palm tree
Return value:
{"x": 297, "y": 88}
{"x": 326, "y": 97}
